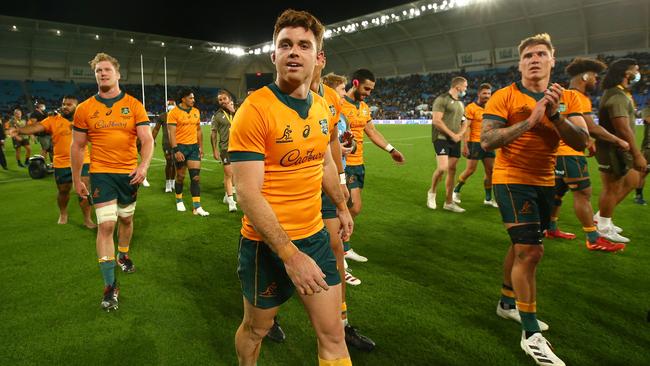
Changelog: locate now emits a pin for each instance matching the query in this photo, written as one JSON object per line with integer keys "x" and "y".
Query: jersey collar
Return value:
{"x": 110, "y": 101}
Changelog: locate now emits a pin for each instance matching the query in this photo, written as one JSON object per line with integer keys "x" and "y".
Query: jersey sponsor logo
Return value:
{"x": 295, "y": 157}
{"x": 125, "y": 110}
{"x": 109, "y": 112}
{"x": 110, "y": 124}
{"x": 323, "y": 126}
{"x": 286, "y": 136}
{"x": 526, "y": 209}
{"x": 270, "y": 291}
{"x": 306, "y": 131}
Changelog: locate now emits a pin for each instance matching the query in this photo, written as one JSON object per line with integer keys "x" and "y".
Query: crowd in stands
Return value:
{"x": 408, "y": 97}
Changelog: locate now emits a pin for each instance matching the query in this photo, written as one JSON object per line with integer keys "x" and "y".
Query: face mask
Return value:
{"x": 461, "y": 94}
{"x": 637, "y": 77}
{"x": 170, "y": 107}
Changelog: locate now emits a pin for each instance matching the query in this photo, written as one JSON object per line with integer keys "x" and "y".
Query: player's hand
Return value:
{"x": 591, "y": 148}
{"x": 345, "y": 150}
{"x": 455, "y": 137}
{"x": 623, "y": 145}
{"x": 216, "y": 156}
{"x": 81, "y": 189}
{"x": 553, "y": 95}
{"x": 305, "y": 274}
{"x": 397, "y": 157}
{"x": 465, "y": 150}
{"x": 179, "y": 156}
{"x": 640, "y": 163}
{"x": 200, "y": 153}
{"x": 138, "y": 175}
{"x": 538, "y": 113}
{"x": 347, "y": 224}
{"x": 346, "y": 192}
{"x": 11, "y": 132}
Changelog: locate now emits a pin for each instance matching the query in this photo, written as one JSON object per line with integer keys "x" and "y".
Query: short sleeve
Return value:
{"x": 248, "y": 134}
{"x": 496, "y": 108}
{"x": 171, "y": 117}
{"x": 439, "y": 104}
{"x": 80, "y": 120}
{"x": 469, "y": 112}
{"x": 47, "y": 124}
{"x": 617, "y": 106}
{"x": 140, "y": 115}
{"x": 573, "y": 105}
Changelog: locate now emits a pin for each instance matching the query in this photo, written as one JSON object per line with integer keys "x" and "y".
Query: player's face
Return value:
{"x": 295, "y": 55}
{"x": 224, "y": 101}
{"x": 363, "y": 90}
{"x": 484, "y": 95}
{"x": 18, "y": 113}
{"x": 536, "y": 62}
{"x": 340, "y": 89}
{"x": 106, "y": 75}
{"x": 68, "y": 106}
{"x": 188, "y": 100}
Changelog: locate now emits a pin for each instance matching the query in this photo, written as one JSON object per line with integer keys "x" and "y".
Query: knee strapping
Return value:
{"x": 526, "y": 234}
{"x": 579, "y": 185}
{"x": 106, "y": 213}
{"x": 195, "y": 188}
{"x": 126, "y": 211}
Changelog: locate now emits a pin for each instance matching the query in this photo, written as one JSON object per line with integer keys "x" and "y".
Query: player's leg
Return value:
{"x": 62, "y": 198}
{"x": 126, "y": 209}
{"x": 252, "y": 330}
{"x": 181, "y": 167}
{"x": 28, "y": 152}
{"x": 488, "y": 166}
{"x": 194, "y": 168}
{"x": 17, "y": 145}
{"x": 638, "y": 196}
{"x": 442, "y": 164}
{"x": 561, "y": 188}
{"x": 170, "y": 172}
{"x": 470, "y": 168}
{"x": 227, "y": 181}
{"x": 105, "y": 195}
{"x": 454, "y": 155}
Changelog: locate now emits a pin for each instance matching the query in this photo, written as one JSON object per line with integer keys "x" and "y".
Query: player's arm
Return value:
{"x": 146, "y": 153}
{"x": 624, "y": 131}
{"x": 155, "y": 129}
{"x": 171, "y": 130}
{"x": 572, "y": 130}
{"x": 213, "y": 137}
{"x": 333, "y": 190}
{"x": 337, "y": 156}
{"x": 378, "y": 139}
{"x": 199, "y": 136}
{"x": 599, "y": 133}
{"x": 495, "y": 134}
{"x": 27, "y": 130}
{"x": 439, "y": 124}
{"x": 77, "y": 150}
{"x": 303, "y": 271}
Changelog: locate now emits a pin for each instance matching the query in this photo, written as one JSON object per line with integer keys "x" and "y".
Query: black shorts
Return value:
{"x": 522, "y": 203}
{"x": 476, "y": 152}
{"x": 19, "y": 143}
{"x": 447, "y": 148}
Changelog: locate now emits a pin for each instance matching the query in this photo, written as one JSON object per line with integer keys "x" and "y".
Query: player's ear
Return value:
{"x": 273, "y": 57}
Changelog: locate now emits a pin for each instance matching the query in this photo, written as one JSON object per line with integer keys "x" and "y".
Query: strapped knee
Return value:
{"x": 106, "y": 213}
{"x": 526, "y": 234}
{"x": 126, "y": 211}
{"x": 579, "y": 185}
{"x": 194, "y": 173}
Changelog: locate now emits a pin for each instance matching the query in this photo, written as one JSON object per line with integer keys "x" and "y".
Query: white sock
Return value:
{"x": 345, "y": 322}
{"x": 230, "y": 199}
{"x": 604, "y": 223}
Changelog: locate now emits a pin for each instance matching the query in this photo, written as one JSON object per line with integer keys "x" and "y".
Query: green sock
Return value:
{"x": 459, "y": 185}
{"x": 346, "y": 246}
{"x": 108, "y": 272}
{"x": 592, "y": 236}
{"x": 529, "y": 322}
{"x": 488, "y": 194}
{"x": 552, "y": 226}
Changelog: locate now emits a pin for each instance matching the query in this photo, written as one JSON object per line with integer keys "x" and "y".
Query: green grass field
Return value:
{"x": 428, "y": 295}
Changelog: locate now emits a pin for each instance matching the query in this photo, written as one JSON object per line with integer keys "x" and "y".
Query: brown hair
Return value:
{"x": 485, "y": 86}
{"x": 457, "y": 80}
{"x": 224, "y": 92}
{"x": 581, "y": 65}
{"x": 299, "y": 18}
{"x": 332, "y": 80}
{"x": 104, "y": 57}
{"x": 542, "y": 38}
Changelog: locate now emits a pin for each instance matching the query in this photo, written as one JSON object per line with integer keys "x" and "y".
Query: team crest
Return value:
{"x": 323, "y": 126}
{"x": 286, "y": 136}
{"x": 125, "y": 110}
{"x": 562, "y": 108}
{"x": 333, "y": 110}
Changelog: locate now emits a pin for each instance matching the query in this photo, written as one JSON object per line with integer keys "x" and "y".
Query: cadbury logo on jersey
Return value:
{"x": 295, "y": 157}
{"x": 109, "y": 124}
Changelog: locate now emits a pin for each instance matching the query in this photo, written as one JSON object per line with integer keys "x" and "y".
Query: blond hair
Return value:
{"x": 542, "y": 38}
{"x": 332, "y": 80}
{"x": 104, "y": 57}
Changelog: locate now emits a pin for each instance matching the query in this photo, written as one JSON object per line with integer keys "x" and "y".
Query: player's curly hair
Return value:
{"x": 542, "y": 38}
{"x": 104, "y": 57}
{"x": 580, "y": 65}
{"x": 299, "y": 18}
{"x": 616, "y": 72}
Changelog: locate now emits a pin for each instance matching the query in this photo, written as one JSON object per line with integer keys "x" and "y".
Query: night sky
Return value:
{"x": 234, "y": 22}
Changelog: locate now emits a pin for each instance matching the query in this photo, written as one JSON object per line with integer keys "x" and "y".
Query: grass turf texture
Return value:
{"x": 428, "y": 295}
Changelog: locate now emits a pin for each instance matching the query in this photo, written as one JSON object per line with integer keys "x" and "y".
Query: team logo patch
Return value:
{"x": 96, "y": 193}
{"x": 306, "y": 131}
{"x": 125, "y": 110}
{"x": 333, "y": 110}
{"x": 562, "y": 108}
{"x": 323, "y": 126}
{"x": 286, "y": 136}
{"x": 526, "y": 209}
{"x": 271, "y": 290}
{"x": 95, "y": 115}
